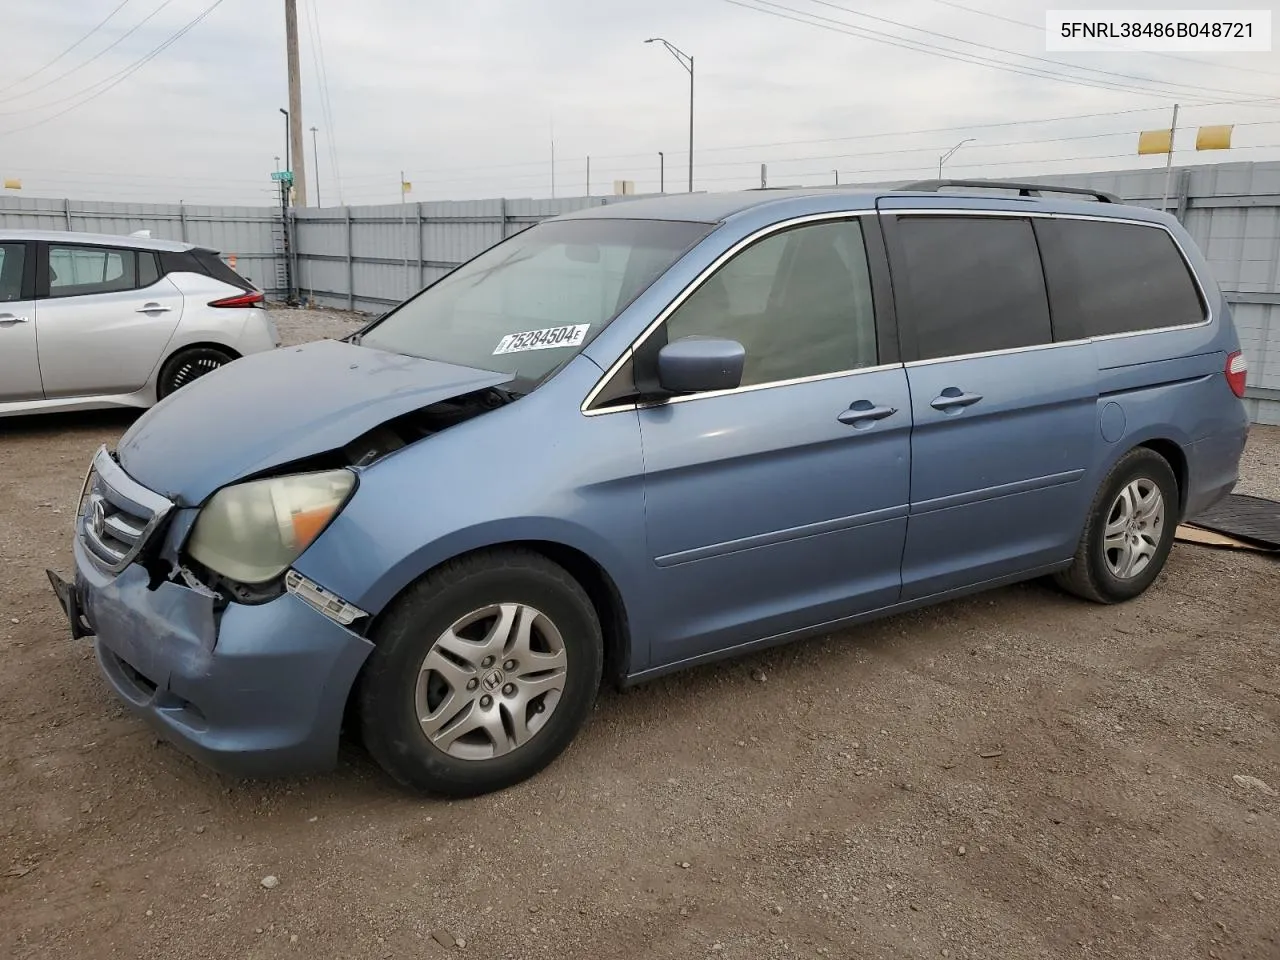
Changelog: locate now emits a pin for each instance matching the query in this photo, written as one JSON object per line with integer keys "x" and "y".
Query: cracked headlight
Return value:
{"x": 251, "y": 532}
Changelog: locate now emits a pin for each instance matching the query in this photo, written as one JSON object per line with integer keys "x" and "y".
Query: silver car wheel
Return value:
{"x": 1135, "y": 525}
{"x": 490, "y": 682}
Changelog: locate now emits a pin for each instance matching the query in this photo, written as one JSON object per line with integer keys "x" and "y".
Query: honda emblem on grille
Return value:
{"x": 97, "y": 518}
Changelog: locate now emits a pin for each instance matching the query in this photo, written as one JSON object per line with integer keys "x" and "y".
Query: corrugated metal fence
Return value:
{"x": 251, "y": 233}
{"x": 368, "y": 258}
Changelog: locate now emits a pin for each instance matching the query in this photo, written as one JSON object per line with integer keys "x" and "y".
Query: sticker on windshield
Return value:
{"x": 546, "y": 339}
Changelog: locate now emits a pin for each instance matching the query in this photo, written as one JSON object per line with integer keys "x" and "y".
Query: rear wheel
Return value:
{"x": 187, "y": 365}
{"x": 1129, "y": 532}
{"x": 482, "y": 674}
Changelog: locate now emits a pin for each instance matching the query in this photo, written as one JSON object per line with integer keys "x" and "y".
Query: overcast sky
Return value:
{"x": 464, "y": 95}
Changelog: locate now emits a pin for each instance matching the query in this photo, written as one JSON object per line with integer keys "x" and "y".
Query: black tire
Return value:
{"x": 408, "y": 632}
{"x": 1090, "y": 575}
{"x": 187, "y": 365}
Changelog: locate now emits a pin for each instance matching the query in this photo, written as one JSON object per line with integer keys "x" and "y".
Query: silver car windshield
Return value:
{"x": 528, "y": 305}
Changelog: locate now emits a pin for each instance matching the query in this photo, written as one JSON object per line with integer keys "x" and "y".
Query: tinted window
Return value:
{"x": 799, "y": 301}
{"x": 214, "y": 266}
{"x": 1107, "y": 278}
{"x": 148, "y": 270}
{"x": 975, "y": 284}
{"x": 13, "y": 257}
{"x": 171, "y": 262}
{"x": 76, "y": 271}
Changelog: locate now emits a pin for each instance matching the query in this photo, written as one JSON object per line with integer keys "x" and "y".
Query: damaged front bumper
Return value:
{"x": 249, "y": 690}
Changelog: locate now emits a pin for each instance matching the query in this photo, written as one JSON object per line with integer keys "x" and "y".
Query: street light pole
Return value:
{"x": 685, "y": 61}
{"x": 947, "y": 156}
{"x": 662, "y": 172}
{"x": 315, "y": 152}
{"x": 287, "y": 165}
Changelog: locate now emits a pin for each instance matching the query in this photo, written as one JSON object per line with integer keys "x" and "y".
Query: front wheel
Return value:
{"x": 482, "y": 674}
{"x": 1129, "y": 532}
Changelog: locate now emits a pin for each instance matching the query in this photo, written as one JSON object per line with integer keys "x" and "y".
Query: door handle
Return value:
{"x": 8, "y": 319}
{"x": 953, "y": 398}
{"x": 154, "y": 308}
{"x": 864, "y": 413}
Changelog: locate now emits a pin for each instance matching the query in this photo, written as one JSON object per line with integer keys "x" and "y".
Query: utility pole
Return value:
{"x": 662, "y": 172}
{"x": 295, "y": 102}
{"x": 316, "y": 153}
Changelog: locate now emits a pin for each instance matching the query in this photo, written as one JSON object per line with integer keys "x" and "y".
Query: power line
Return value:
{"x": 67, "y": 73}
{"x": 969, "y": 127}
{"x": 311, "y": 14}
{"x": 39, "y": 70}
{"x": 1027, "y": 56}
{"x": 1039, "y": 28}
{"x": 122, "y": 75}
{"x": 919, "y": 46}
{"x": 332, "y": 137}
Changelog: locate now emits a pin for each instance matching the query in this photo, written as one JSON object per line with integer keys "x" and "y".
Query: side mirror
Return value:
{"x": 701, "y": 364}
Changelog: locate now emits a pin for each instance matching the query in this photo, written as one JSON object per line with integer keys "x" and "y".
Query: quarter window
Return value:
{"x": 799, "y": 301}
{"x": 1108, "y": 277}
{"x": 148, "y": 269}
{"x": 975, "y": 284}
{"x": 75, "y": 271}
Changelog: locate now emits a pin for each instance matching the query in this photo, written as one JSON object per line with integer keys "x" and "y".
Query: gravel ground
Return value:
{"x": 1016, "y": 775}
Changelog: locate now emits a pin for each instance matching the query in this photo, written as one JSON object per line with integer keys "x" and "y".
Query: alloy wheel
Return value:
{"x": 1134, "y": 528}
{"x": 491, "y": 681}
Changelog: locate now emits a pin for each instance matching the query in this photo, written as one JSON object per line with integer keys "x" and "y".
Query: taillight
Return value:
{"x": 247, "y": 299}
{"x": 1237, "y": 370}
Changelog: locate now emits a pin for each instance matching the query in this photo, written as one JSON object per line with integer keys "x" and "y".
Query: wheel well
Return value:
{"x": 604, "y": 596}
{"x": 600, "y": 589}
{"x": 1178, "y": 461}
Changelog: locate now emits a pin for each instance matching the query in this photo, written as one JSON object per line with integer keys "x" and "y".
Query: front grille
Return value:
{"x": 113, "y": 535}
{"x": 118, "y": 516}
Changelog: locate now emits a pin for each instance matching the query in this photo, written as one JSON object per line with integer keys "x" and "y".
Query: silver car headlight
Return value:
{"x": 251, "y": 532}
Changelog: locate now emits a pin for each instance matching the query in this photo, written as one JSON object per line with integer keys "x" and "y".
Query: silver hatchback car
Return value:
{"x": 90, "y": 321}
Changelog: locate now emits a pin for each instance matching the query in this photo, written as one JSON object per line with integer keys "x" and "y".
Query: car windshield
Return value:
{"x": 528, "y": 305}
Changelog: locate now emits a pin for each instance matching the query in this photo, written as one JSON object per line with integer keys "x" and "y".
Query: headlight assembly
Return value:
{"x": 251, "y": 532}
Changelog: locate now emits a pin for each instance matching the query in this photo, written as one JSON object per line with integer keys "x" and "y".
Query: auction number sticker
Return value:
{"x": 544, "y": 339}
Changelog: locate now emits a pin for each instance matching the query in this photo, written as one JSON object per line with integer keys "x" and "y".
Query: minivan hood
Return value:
{"x": 272, "y": 408}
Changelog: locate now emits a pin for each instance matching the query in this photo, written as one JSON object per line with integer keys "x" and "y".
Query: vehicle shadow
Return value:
{"x": 690, "y": 698}
{"x": 63, "y": 424}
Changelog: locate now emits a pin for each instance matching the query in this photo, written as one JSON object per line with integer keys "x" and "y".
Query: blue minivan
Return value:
{"x": 645, "y": 436}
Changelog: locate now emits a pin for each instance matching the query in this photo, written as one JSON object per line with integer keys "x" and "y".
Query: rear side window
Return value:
{"x": 76, "y": 271}
{"x": 974, "y": 284}
{"x": 1107, "y": 278}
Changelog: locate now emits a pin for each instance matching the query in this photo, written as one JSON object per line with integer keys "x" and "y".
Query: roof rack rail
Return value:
{"x": 1024, "y": 189}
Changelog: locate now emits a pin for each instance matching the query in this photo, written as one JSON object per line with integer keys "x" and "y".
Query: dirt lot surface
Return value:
{"x": 1018, "y": 775}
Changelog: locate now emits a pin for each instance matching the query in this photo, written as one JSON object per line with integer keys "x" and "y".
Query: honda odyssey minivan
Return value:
{"x": 645, "y": 436}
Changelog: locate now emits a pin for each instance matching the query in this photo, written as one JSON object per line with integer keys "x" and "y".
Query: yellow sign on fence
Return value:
{"x": 1214, "y": 138}
{"x": 1155, "y": 141}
